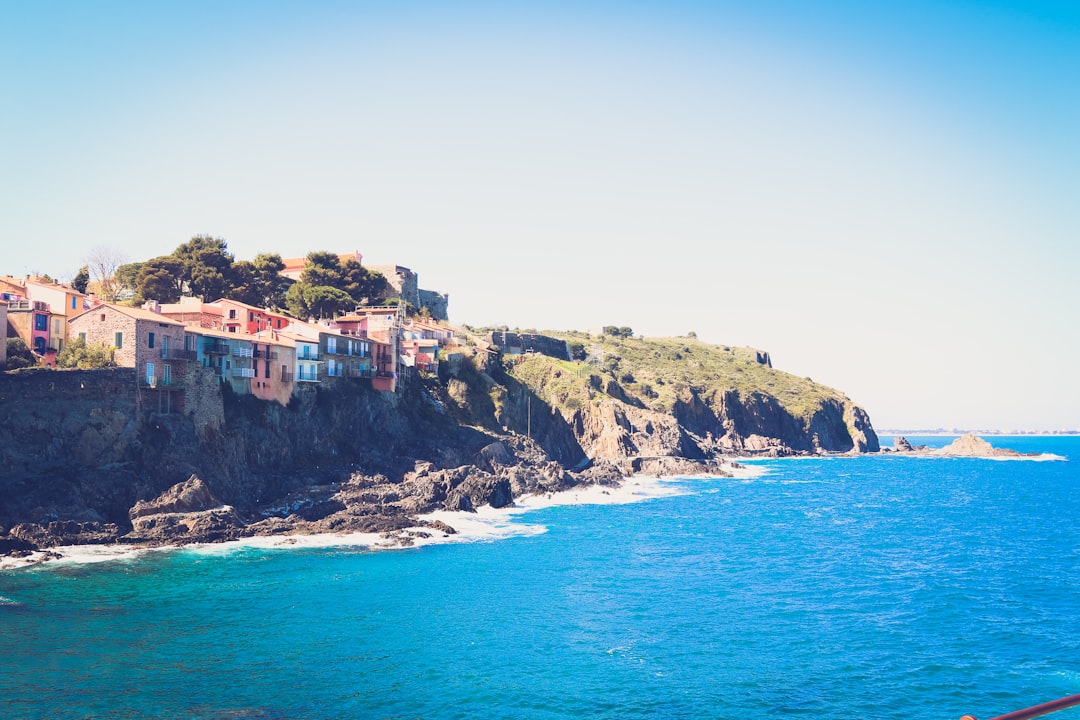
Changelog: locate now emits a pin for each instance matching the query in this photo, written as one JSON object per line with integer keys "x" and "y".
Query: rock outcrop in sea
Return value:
{"x": 967, "y": 445}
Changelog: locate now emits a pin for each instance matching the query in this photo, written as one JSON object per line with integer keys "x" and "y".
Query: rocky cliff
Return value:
{"x": 677, "y": 397}
{"x": 87, "y": 459}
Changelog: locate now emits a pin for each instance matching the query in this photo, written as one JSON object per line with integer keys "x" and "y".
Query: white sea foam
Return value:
{"x": 486, "y": 524}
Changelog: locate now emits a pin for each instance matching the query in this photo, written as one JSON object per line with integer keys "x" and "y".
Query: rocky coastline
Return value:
{"x": 89, "y": 463}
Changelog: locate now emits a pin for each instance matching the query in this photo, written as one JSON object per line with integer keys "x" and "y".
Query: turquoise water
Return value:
{"x": 877, "y": 587}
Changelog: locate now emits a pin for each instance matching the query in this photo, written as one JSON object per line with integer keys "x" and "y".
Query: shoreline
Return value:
{"x": 486, "y": 524}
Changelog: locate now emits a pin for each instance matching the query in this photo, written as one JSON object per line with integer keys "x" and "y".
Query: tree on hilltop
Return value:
{"x": 329, "y": 287}
{"x": 203, "y": 267}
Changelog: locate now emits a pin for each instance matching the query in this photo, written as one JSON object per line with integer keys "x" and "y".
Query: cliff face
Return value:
{"x": 665, "y": 398}
{"x": 87, "y": 458}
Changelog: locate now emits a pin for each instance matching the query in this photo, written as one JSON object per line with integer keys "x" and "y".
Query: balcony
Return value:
{"x": 158, "y": 383}
{"x": 36, "y": 305}
{"x": 243, "y": 372}
{"x": 286, "y": 376}
{"x": 175, "y": 354}
{"x": 265, "y": 354}
{"x": 215, "y": 347}
{"x": 241, "y": 352}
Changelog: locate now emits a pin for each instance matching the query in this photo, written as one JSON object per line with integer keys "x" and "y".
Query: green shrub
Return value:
{"x": 19, "y": 355}
{"x": 77, "y": 354}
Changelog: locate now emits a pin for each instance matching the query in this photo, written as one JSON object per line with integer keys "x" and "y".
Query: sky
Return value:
{"x": 885, "y": 196}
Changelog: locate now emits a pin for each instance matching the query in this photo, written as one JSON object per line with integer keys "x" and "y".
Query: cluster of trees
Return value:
{"x": 204, "y": 267}
{"x": 330, "y": 287}
{"x": 615, "y": 331}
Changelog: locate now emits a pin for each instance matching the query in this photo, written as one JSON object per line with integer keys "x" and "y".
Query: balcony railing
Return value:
{"x": 37, "y": 305}
{"x": 243, "y": 352}
{"x": 160, "y": 383}
{"x": 177, "y": 354}
{"x": 214, "y": 347}
{"x": 243, "y": 372}
{"x": 286, "y": 376}
{"x": 266, "y": 354}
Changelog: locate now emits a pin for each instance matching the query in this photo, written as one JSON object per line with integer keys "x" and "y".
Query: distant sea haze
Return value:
{"x": 872, "y": 586}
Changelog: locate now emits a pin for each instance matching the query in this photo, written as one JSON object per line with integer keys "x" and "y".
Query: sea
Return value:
{"x": 846, "y": 587}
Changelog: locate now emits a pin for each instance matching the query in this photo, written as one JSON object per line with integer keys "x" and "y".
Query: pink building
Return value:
{"x": 238, "y": 317}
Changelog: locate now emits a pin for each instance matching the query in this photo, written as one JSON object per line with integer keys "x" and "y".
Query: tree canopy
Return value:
{"x": 204, "y": 267}
{"x": 329, "y": 287}
{"x": 81, "y": 279}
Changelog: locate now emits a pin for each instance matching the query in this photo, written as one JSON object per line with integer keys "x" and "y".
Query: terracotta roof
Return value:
{"x": 244, "y": 337}
{"x": 132, "y": 312}
{"x": 250, "y": 307}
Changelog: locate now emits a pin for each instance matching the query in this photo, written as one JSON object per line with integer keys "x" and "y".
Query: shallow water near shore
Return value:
{"x": 880, "y": 586}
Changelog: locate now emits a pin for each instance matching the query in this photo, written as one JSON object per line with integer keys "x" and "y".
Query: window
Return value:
{"x": 150, "y": 373}
{"x": 331, "y": 345}
{"x": 82, "y": 336}
{"x": 150, "y": 340}
{"x": 102, "y": 317}
{"x": 41, "y": 322}
{"x": 267, "y": 371}
{"x": 74, "y": 303}
{"x": 164, "y": 346}
{"x": 119, "y": 339}
{"x": 166, "y": 371}
{"x": 232, "y": 314}
{"x": 251, "y": 316}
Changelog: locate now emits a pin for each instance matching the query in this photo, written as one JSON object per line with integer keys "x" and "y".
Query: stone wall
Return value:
{"x": 530, "y": 342}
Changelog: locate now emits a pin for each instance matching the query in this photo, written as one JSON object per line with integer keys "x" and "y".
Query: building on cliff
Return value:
{"x": 141, "y": 339}
{"x": 244, "y": 318}
{"x": 63, "y": 302}
{"x": 193, "y": 312}
{"x": 30, "y": 321}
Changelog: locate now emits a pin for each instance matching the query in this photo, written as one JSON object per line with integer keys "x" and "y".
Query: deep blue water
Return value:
{"x": 881, "y": 587}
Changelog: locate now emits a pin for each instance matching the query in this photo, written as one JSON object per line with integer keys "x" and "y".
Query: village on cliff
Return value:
{"x": 256, "y": 351}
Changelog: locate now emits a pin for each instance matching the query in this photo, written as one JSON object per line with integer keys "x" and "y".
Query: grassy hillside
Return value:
{"x": 652, "y": 371}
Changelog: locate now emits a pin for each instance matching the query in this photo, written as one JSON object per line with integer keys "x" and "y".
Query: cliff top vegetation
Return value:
{"x": 651, "y": 372}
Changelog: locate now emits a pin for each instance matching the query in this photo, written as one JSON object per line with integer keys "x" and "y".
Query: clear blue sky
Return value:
{"x": 886, "y": 196}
